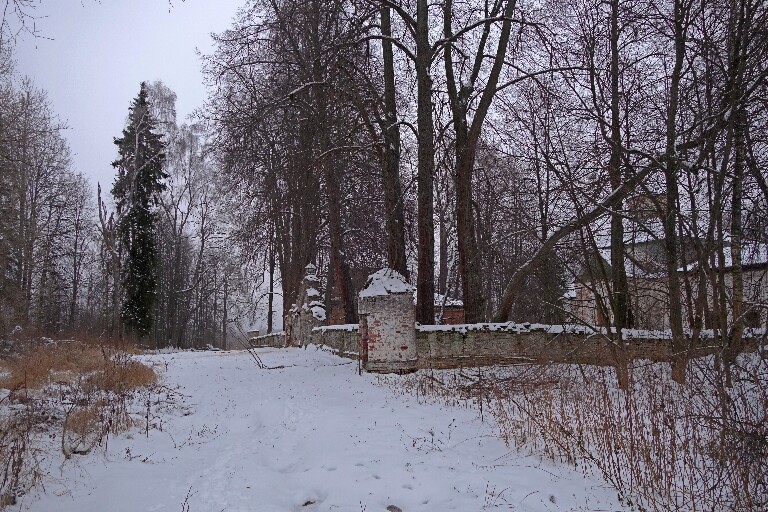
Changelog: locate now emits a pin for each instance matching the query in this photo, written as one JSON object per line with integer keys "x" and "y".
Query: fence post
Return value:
{"x": 387, "y": 332}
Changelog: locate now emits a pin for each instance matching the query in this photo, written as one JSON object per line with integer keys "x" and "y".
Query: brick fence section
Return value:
{"x": 276, "y": 340}
{"x": 469, "y": 345}
{"x": 342, "y": 340}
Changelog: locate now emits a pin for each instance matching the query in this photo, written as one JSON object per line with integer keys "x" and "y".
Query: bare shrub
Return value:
{"x": 83, "y": 390}
{"x": 44, "y": 363}
{"x": 121, "y": 374}
{"x": 663, "y": 446}
{"x": 19, "y": 459}
{"x": 699, "y": 446}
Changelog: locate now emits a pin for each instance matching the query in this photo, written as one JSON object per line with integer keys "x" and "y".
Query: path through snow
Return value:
{"x": 313, "y": 436}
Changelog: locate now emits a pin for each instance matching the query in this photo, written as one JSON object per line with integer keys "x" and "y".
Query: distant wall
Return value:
{"x": 343, "y": 340}
{"x": 450, "y": 346}
{"x": 451, "y": 315}
{"x": 453, "y": 346}
{"x": 275, "y": 340}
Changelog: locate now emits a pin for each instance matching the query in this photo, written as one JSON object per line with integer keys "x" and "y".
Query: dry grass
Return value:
{"x": 699, "y": 446}
{"x": 121, "y": 374}
{"x": 102, "y": 367}
{"x": 43, "y": 365}
{"x": 82, "y": 390}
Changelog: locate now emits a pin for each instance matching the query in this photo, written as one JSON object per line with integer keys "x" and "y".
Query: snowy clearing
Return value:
{"x": 310, "y": 436}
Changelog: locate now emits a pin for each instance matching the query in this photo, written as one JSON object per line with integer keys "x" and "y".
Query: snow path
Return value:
{"x": 313, "y": 436}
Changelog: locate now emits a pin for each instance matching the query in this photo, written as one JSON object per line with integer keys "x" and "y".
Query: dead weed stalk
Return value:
{"x": 79, "y": 391}
{"x": 699, "y": 446}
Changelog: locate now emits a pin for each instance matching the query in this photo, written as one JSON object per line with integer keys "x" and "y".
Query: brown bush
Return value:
{"x": 37, "y": 367}
{"x": 102, "y": 367}
{"x": 125, "y": 344}
{"x": 82, "y": 389}
{"x": 663, "y": 446}
{"x": 121, "y": 374}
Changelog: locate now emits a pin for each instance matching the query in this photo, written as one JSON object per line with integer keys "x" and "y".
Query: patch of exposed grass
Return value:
{"x": 79, "y": 392}
{"x": 697, "y": 446}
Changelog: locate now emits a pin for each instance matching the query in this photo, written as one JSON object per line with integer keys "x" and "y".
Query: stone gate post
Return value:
{"x": 307, "y": 313}
{"x": 387, "y": 333}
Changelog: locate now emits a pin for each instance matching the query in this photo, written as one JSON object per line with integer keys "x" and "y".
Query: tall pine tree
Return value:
{"x": 137, "y": 186}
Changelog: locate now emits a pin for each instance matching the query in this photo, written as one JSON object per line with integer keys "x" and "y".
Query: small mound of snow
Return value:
{"x": 318, "y": 312}
{"x": 385, "y": 282}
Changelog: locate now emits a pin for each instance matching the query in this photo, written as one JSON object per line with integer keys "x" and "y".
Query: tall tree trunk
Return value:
{"x": 671, "y": 243}
{"x": 425, "y": 283}
{"x": 224, "y": 313}
{"x": 737, "y": 273}
{"x": 271, "y": 293}
{"x": 393, "y": 196}
{"x": 467, "y": 138}
{"x": 442, "y": 280}
{"x": 619, "y": 298}
{"x": 620, "y": 304}
{"x": 342, "y": 282}
{"x": 76, "y": 257}
{"x": 740, "y": 23}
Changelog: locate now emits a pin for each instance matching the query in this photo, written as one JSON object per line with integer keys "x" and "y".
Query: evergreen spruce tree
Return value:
{"x": 137, "y": 186}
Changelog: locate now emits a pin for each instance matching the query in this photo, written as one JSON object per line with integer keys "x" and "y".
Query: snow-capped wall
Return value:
{"x": 342, "y": 340}
{"x": 387, "y": 339}
{"x": 275, "y": 340}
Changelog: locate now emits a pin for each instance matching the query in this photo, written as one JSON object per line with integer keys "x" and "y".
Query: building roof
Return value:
{"x": 753, "y": 254}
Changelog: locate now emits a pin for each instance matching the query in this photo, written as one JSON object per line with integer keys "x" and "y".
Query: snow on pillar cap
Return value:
{"x": 386, "y": 282}
{"x": 311, "y": 270}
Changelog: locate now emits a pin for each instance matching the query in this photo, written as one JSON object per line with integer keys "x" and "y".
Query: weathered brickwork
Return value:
{"x": 489, "y": 344}
{"x": 387, "y": 340}
{"x": 387, "y": 320}
{"x": 342, "y": 340}
{"x": 481, "y": 347}
{"x": 275, "y": 340}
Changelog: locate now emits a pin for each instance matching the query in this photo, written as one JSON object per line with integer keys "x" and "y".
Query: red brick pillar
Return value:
{"x": 387, "y": 333}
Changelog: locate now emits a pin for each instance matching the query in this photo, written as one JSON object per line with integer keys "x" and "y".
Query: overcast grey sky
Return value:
{"x": 98, "y": 54}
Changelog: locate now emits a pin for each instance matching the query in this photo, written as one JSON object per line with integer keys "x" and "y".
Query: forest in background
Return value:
{"x": 485, "y": 149}
{"x": 63, "y": 264}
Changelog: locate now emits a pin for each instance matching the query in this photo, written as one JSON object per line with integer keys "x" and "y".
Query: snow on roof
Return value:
{"x": 449, "y": 301}
{"x": 752, "y": 253}
{"x": 384, "y": 282}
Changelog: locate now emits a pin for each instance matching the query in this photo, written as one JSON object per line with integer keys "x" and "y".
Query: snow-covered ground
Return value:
{"x": 310, "y": 436}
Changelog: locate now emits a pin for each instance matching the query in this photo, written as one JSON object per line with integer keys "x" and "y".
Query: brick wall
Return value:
{"x": 452, "y": 346}
{"x": 276, "y": 340}
{"x": 342, "y": 340}
{"x": 390, "y": 337}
